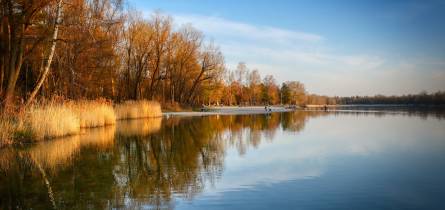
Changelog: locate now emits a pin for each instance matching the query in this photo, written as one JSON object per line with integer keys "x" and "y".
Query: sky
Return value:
{"x": 336, "y": 48}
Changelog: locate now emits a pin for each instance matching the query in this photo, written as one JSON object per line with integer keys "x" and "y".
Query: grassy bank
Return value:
{"x": 94, "y": 113}
{"x": 52, "y": 120}
{"x": 138, "y": 109}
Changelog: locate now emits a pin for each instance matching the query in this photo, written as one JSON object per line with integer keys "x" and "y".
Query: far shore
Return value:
{"x": 231, "y": 110}
{"x": 246, "y": 110}
{"x": 371, "y": 105}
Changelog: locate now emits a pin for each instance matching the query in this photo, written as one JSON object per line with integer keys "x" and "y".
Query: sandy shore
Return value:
{"x": 230, "y": 110}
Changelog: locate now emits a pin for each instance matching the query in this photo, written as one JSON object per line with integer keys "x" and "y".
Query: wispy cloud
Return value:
{"x": 224, "y": 27}
{"x": 284, "y": 53}
{"x": 312, "y": 59}
{"x": 281, "y": 47}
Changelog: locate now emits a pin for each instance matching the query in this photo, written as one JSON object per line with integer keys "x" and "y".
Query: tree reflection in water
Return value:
{"x": 135, "y": 163}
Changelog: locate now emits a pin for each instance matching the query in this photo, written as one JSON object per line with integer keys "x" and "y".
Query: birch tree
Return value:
{"x": 47, "y": 62}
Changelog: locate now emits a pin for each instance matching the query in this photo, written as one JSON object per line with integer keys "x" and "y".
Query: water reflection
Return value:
{"x": 150, "y": 163}
{"x": 138, "y": 127}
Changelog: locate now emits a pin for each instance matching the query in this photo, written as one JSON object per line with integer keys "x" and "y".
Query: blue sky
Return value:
{"x": 333, "y": 47}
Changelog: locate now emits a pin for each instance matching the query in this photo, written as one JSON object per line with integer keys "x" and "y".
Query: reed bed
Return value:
{"x": 57, "y": 120}
{"x": 7, "y": 130}
{"x": 51, "y": 120}
{"x": 138, "y": 109}
{"x": 94, "y": 113}
{"x": 54, "y": 120}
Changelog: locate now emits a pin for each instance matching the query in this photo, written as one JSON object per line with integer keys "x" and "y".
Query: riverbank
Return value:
{"x": 246, "y": 110}
{"x": 66, "y": 118}
{"x": 230, "y": 110}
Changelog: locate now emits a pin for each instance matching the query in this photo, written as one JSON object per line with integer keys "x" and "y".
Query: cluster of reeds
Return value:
{"x": 52, "y": 120}
{"x": 7, "y": 130}
{"x": 94, "y": 113}
{"x": 138, "y": 109}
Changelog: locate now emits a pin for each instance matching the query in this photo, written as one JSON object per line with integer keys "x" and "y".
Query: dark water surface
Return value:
{"x": 298, "y": 160}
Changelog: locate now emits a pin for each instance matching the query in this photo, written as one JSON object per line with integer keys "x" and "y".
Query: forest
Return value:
{"x": 89, "y": 49}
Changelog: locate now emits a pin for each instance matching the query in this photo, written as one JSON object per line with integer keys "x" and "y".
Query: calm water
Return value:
{"x": 300, "y": 160}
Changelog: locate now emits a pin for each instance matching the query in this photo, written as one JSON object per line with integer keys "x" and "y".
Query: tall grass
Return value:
{"x": 7, "y": 130}
{"x": 51, "y": 120}
{"x": 138, "y": 109}
{"x": 56, "y": 120}
{"x": 94, "y": 113}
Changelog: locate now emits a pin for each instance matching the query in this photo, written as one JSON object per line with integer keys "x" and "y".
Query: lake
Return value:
{"x": 297, "y": 160}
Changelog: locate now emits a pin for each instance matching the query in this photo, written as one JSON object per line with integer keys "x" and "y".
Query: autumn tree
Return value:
{"x": 270, "y": 92}
{"x": 254, "y": 81}
{"x": 24, "y": 28}
{"x": 88, "y": 49}
{"x": 297, "y": 92}
{"x": 211, "y": 67}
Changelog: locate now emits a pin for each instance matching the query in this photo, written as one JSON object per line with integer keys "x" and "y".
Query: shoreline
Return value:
{"x": 247, "y": 110}
{"x": 230, "y": 110}
{"x": 378, "y": 105}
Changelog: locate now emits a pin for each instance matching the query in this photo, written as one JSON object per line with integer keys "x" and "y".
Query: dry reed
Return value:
{"x": 7, "y": 130}
{"x": 63, "y": 119}
{"x": 94, "y": 113}
{"x": 138, "y": 109}
{"x": 52, "y": 120}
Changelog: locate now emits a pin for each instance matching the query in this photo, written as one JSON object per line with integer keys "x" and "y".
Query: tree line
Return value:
{"x": 85, "y": 49}
{"x": 423, "y": 98}
{"x": 88, "y": 49}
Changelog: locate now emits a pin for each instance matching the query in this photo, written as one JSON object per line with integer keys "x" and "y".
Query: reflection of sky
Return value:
{"x": 328, "y": 148}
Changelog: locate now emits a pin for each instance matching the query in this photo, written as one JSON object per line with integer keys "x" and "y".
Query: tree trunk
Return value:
{"x": 195, "y": 84}
{"x": 16, "y": 51}
{"x": 50, "y": 55}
